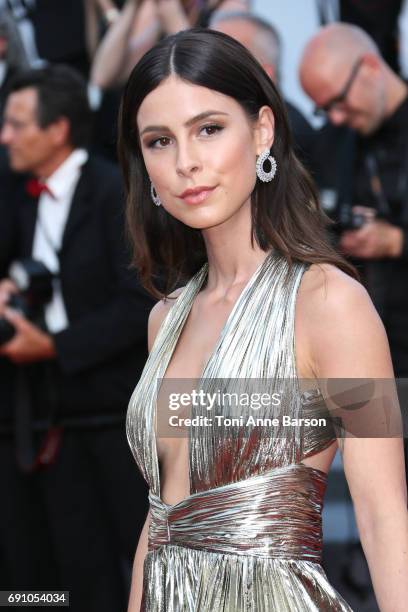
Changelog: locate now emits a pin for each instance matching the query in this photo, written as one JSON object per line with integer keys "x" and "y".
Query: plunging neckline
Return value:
{"x": 225, "y": 325}
{"x": 218, "y": 343}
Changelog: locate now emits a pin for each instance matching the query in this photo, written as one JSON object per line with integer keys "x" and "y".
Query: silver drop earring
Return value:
{"x": 263, "y": 176}
{"x": 155, "y": 196}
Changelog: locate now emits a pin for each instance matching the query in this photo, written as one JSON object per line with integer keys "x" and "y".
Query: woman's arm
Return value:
{"x": 172, "y": 15}
{"x": 133, "y": 33}
{"x": 91, "y": 27}
{"x": 109, "y": 58}
{"x": 347, "y": 341}
{"x": 94, "y": 10}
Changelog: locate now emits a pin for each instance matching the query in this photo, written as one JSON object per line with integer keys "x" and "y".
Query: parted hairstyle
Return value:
{"x": 286, "y": 214}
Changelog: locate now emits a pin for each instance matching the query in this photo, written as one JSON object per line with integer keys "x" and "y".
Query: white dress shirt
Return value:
{"x": 52, "y": 215}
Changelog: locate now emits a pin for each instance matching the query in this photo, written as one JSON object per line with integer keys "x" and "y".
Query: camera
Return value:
{"x": 354, "y": 217}
{"x": 35, "y": 286}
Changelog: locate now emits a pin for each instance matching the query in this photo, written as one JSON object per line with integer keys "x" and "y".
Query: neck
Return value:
{"x": 50, "y": 165}
{"x": 232, "y": 259}
{"x": 396, "y": 91}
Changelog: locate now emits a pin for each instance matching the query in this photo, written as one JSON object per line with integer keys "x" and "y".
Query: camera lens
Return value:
{"x": 7, "y": 331}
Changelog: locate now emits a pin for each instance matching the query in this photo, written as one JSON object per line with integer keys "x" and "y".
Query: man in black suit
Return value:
{"x": 73, "y": 515}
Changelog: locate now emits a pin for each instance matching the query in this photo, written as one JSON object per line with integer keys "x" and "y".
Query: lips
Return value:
{"x": 196, "y": 195}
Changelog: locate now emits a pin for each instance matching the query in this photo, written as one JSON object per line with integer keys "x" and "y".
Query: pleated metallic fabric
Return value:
{"x": 248, "y": 538}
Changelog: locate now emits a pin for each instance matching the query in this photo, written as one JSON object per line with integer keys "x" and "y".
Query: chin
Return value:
{"x": 367, "y": 129}
{"x": 17, "y": 166}
{"x": 202, "y": 224}
{"x": 207, "y": 215}
{"x": 202, "y": 220}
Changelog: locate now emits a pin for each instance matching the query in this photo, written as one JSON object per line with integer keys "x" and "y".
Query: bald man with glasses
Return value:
{"x": 343, "y": 72}
{"x": 339, "y": 99}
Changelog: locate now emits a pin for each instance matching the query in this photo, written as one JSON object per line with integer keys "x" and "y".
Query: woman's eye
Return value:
{"x": 159, "y": 143}
{"x": 212, "y": 129}
{"x": 163, "y": 141}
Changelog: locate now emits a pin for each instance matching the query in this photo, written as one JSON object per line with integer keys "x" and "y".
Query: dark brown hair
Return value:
{"x": 285, "y": 212}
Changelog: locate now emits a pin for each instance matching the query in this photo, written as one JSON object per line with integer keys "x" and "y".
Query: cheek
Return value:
{"x": 158, "y": 168}
{"x": 26, "y": 144}
{"x": 236, "y": 166}
{"x": 37, "y": 147}
{"x": 380, "y": 105}
{"x": 371, "y": 103}
{"x": 232, "y": 162}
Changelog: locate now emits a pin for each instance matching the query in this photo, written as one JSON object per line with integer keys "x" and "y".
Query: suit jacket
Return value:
{"x": 101, "y": 353}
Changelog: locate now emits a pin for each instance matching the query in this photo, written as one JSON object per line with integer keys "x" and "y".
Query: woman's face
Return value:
{"x": 194, "y": 138}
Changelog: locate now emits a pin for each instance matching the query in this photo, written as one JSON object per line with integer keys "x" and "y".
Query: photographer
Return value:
{"x": 77, "y": 318}
{"x": 343, "y": 72}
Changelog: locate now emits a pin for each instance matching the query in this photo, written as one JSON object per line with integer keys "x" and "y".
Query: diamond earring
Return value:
{"x": 263, "y": 176}
{"x": 155, "y": 196}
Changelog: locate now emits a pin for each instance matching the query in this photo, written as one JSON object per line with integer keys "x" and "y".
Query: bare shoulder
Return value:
{"x": 325, "y": 285}
{"x": 327, "y": 295}
{"x": 344, "y": 332}
{"x": 158, "y": 313}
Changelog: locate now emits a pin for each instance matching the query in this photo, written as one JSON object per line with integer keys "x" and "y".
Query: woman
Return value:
{"x": 235, "y": 516}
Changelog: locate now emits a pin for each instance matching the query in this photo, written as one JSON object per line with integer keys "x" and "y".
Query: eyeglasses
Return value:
{"x": 322, "y": 111}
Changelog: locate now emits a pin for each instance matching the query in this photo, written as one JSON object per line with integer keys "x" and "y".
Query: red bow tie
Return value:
{"x": 35, "y": 188}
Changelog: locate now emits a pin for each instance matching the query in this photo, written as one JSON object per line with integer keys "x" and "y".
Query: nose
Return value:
{"x": 188, "y": 161}
{"x": 337, "y": 116}
{"x": 5, "y": 134}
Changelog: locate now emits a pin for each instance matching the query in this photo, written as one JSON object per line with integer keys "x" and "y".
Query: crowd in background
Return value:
{"x": 73, "y": 336}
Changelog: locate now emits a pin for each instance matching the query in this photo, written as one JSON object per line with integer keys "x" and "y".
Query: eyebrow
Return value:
{"x": 190, "y": 122}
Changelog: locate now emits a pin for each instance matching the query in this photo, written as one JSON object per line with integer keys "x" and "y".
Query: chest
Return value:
{"x": 200, "y": 336}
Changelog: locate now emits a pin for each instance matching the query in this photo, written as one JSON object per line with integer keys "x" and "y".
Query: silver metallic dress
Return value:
{"x": 248, "y": 538}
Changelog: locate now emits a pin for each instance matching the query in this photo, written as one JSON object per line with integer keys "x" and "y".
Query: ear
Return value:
{"x": 59, "y": 131}
{"x": 264, "y": 131}
{"x": 372, "y": 63}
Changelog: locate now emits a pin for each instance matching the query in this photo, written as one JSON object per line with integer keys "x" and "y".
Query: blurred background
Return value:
{"x": 73, "y": 502}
